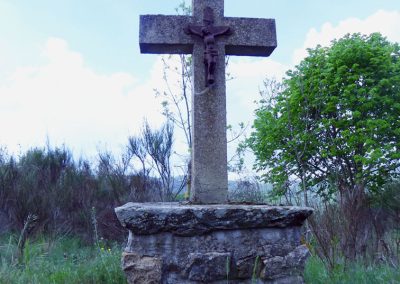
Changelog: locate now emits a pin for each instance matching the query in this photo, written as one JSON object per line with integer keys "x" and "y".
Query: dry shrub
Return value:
{"x": 358, "y": 227}
{"x": 62, "y": 192}
{"x": 247, "y": 190}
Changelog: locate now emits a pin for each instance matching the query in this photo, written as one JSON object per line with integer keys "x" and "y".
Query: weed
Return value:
{"x": 228, "y": 268}
{"x": 255, "y": 269}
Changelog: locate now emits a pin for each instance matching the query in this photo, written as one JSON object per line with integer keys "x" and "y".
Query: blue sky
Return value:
{"x": 71, "y": 71}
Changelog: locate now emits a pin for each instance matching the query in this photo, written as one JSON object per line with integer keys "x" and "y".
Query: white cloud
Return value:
{"x": 385, "y": 22}
{"x": 72, "y": 104}
{"x": 68, "y": 102}
{"x": 243, "y": 90}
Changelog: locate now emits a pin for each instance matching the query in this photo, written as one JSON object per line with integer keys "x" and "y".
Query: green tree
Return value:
{"x": 334, "y": 129}
{"x": 335, "y": 125}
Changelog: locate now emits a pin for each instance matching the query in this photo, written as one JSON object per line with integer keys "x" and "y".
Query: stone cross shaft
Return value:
{"x": 160, "y": 34}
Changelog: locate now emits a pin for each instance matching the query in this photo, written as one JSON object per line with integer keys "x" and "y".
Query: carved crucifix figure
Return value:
{"x": 210, "y": 37}
{"x": 208, "y": 33}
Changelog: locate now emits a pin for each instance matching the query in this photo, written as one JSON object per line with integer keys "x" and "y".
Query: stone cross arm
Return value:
{"x": 161, "y": 34}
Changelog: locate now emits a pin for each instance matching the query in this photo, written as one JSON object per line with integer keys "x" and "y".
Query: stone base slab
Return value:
{"x": 175, "y": 243}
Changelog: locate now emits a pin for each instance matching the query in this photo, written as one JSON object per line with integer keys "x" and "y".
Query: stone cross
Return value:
{"x": 209, "y": 36}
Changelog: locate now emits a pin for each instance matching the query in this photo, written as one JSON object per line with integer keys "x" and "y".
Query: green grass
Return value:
{"x": 315, "y": 272}
{"x": 60, "y": 261}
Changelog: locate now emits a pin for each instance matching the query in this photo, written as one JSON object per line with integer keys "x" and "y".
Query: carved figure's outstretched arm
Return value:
{"x": 217, "y": 31}
{"x": 194, "y": 30}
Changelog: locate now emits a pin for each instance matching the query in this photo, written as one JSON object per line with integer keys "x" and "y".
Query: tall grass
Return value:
{"x": 63, "y": 260}
{"x": 354, "y": 273}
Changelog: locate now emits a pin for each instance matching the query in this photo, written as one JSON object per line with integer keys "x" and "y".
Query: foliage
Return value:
{"x": 335, "y": 125}
{"x": 177, "y": 104}
{"x": 333, "y": 129}
{"x": 338, "y": 240}
{"x": 68, "y": 260}
{"x": 247, "y": 190}
{"x": 153, "y": 150}
{"x": 356, "y": 273}
{"x": 62, "y": 192}
{"x": 49, "y": 184}
{"x": 176, "y": 99}
{"x": 62, "y": 260}
{"x": 388, "y": 199}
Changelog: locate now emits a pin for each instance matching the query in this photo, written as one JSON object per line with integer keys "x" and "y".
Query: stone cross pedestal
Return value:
{"x": 171, "y": 243}
{"x": 209, "y": 36}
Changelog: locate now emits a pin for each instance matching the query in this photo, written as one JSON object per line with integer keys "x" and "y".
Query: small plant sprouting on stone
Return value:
{"x": 227, "y": 268}
{"x": 255, "y": 269}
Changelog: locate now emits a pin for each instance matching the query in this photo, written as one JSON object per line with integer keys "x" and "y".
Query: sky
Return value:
{"x": 71, "y": 71}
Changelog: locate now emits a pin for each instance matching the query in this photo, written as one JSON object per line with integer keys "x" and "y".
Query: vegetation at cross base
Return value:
{"x": 329, "y": 135}
{"x": 69, "y": 260}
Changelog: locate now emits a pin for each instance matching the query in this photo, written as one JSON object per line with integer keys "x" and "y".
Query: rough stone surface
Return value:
{"x": 187, "y": 220}
{"x": 209, "y": 153}
{"x": 141, "y": 269}
{"x": 278, "y": 267}
{"x": 163, "y": 34}
{"x": 212, "y": 243}
{"x": 208, "y": 267}
{"x": 251, "y": 37}
{"x": 217, "y": 256}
